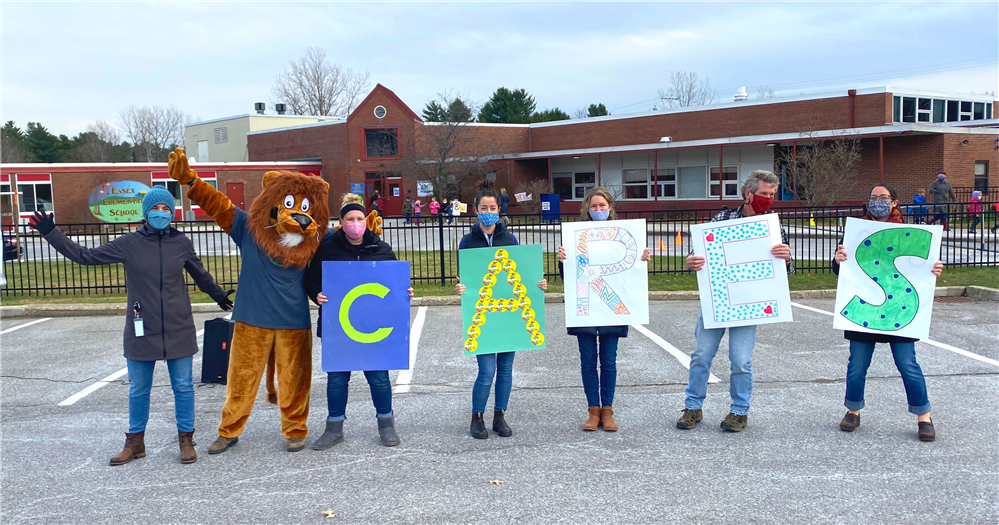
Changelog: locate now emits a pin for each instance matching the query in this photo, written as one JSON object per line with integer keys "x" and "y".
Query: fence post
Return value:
{"x": 440, "y": 230}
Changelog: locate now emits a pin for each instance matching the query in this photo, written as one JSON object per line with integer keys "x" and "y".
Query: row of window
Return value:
{"x": 919, "y": 109}
{"x": 688, "y": 182}
{"x": 31, "y": 196}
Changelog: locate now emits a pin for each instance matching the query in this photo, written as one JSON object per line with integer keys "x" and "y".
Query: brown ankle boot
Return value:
{"x": 607, "y": 418}
{"x": 135, "y": 447}
{"x": 593, "y": 421}
{"x": 187, "y": 452}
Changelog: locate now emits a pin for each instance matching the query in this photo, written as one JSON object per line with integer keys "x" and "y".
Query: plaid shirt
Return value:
{"x": 736, "y": 213}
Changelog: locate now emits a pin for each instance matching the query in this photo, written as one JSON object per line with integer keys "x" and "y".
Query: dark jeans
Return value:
{"x": 904, "y": 354}
{"x": 599, "y": 389}
{"x": 975, "y": 221}
{"x": 408, "y": 216}
{"x": 501, "y": 366}
{"x": 336, "y": 393}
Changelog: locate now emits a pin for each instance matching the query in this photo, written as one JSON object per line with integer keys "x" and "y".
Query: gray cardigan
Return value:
{"x": 154, "y": 262}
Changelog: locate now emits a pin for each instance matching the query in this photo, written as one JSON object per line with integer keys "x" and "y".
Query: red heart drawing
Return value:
{"x": 711, "y": 237}
{"x": 768, "y": 310}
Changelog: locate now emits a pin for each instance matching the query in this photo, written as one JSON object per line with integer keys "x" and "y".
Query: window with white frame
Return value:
{"x": 935, "y": 110}
{"x": 666, "y": 183}
{"x": 562, "y": 185}
{"x": 34, "y": 196}
{"x": 173, "y": 187}
{"x": 583, "y": 182}
{"x": 729, "y": 181}
{"x": 692, "y": 182}
{"x": 636, "y": 183}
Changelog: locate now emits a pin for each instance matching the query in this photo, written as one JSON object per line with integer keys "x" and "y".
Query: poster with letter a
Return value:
{"x": 886, "y": 285}
{"x": 741, "y": 283}
{"x": 606, "y": 280}
{"x": 502, "y": 309}
{"x": 366, "y": 321}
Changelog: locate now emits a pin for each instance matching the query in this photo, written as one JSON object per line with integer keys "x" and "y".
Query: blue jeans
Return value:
{"x": 140, "y": 382}
{"x": 336, "y": 393}
{"x": 741, "y": 340}
{"x": 904, "y": 354}
{"x": 408, "y": 216}
{"x": 501, "y": 366}
{"x": 599, "y": 389}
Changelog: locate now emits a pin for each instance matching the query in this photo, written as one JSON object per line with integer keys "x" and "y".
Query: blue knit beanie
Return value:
{"x": 157, "y": 195}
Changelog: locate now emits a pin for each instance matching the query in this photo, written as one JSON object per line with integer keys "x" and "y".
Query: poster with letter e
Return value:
{"x": 366, "y": 321}
{"x": 886, "y": 285}
{"x": 502, "y": 309}
{"x": 742, "y": 283}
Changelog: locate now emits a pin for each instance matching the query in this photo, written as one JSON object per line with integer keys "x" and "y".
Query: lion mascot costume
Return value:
{"x": 276, "y": 239}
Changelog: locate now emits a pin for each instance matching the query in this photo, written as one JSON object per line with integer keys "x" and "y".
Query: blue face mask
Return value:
{"x": 159, "y": 219}
{"x": 599, "y": 215}
{"x": 488, "y": 219}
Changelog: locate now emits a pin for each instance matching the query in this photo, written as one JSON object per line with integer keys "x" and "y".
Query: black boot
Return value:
{"x": 332, "y": 435}
{"x": 386, "y": 430}
{"x": 499, "y": 424}
{"x": 478, "y": 428}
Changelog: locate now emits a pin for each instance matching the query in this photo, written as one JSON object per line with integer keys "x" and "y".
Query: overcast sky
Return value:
{"x": 69, "y": 64}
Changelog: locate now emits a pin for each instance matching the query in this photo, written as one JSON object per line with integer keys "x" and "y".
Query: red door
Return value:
{"x": 234, "y": 190}
{"x": 393, "y": 206}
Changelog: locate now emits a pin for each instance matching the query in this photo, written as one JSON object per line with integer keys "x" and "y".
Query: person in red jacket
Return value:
{"x": 975, "y": 210}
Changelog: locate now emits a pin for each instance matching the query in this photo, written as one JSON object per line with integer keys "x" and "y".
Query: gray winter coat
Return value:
{"x": 154, "y": 261}
{"x": 942, "y": 192}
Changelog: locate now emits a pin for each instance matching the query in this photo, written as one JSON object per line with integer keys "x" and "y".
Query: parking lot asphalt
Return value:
{"x": 791, "y": 465}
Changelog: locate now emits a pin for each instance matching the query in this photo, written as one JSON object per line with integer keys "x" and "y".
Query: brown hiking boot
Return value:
{"x": 607, "y": 419}
{"x": 734, "y": 422}
{"x": 222, "y": 444}
{"x": 689, "y": 419}
{"x": 187, "y": 452}
{"x": 850, "y": 422}
{"x": 593, "y": 421}
{"x": 295, "y": 444}
{"x": 135, "y": 447}
{"x": 926, "y": 431}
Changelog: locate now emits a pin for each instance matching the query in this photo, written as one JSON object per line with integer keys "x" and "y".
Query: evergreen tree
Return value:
{"x": 549, "y": 115}
{"x": 596, "y": 110}
{"x": 43, "y": 146}
{"x": 505, "y": 106}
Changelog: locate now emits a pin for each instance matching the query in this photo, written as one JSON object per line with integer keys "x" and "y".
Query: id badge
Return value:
{"x": 139, "y": 330}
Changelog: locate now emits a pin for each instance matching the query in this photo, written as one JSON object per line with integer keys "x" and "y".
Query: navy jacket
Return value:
{"x": 477, "y": 239}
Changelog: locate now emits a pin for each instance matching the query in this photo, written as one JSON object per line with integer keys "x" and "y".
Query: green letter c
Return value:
{"x": 375, "y": 289}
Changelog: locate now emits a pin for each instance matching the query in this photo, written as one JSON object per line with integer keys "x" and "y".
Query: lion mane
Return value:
{"x": 275, "y": 217}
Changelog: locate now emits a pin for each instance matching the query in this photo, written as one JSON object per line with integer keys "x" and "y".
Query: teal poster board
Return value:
{"x": 502, "y": 309}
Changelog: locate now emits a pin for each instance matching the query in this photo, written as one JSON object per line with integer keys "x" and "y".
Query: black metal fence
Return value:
{"x": 431, "y": 245}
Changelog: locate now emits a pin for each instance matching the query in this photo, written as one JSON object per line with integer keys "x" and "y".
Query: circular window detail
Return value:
{"x": 379, "y": 111}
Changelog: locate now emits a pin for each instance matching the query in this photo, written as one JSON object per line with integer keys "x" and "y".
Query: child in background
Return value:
{"x": 975, "y": 211}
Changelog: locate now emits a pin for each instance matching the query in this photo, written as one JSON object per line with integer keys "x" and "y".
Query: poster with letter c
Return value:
{"x": 502, "y": 309}
{"x": 886, "y": 285}
{"x": 366, "y": 321}
{"x": 742, "y": 283}
{"x": 606, "y": 280}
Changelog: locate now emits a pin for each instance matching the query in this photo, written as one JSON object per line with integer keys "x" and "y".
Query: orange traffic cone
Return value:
{"x": 662, "y": 247}
{"x": 679, "y": 239}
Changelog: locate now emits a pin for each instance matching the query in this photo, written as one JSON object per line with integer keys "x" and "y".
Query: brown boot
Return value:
{"x": 607, "y": 419}
{"x": 187, "y": 444}
{"x": 593, "y": 421}
{"x": 135, "y": 447}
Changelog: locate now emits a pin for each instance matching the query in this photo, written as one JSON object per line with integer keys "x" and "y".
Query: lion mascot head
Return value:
{"x": 290, "y": 216}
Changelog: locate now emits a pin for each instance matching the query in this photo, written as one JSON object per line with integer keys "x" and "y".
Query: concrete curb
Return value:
{"x": 979, "y": 293}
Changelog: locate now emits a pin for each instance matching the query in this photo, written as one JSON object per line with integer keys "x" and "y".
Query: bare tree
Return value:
{"x": 446, "y": 152}
{"x": 100, "y": 143}
{"x": 580, "y": 113}
{"x": 686, "y": 89}
{"x": 314, "y": 86}
{"x": 764, "y": 92}
{"x": 152, "y": 130}
{"x": 824, "y": 171}
{"x": 10, "y": 149}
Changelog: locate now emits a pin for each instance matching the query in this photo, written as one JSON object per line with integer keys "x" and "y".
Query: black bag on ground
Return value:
{"x": 215, "y": 354}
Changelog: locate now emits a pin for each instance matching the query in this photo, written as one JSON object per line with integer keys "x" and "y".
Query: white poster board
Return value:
{"x": 424, "y": 188}
{"x": 606, "y": 280}
{"x": 886, "y": 285}
{"x": 741, "y": 283}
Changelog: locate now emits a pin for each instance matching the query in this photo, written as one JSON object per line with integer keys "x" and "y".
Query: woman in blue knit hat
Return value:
{"x": 158, "y": 325}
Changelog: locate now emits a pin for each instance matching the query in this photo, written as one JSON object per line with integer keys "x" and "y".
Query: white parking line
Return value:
{"x": 683, "y": 358}
{"x": 20, "y": 326}
{"x": 937, "y": 344}
{"x": 104, "y": 382}
{"x": 406, "y": 376}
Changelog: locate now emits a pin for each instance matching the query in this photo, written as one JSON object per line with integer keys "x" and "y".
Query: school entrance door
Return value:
{"x": 389, "y": 186}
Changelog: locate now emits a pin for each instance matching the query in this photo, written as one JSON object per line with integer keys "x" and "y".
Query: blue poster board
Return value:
{"x": 357, "y": 188}
{"x": 366, "y": 321}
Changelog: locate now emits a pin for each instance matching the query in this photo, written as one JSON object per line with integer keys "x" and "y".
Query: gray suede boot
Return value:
{"x": 386, "y": 430}
{"x": 332, "y": 435}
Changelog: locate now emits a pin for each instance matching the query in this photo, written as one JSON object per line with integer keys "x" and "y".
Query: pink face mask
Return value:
{"x": 354, "y": 230}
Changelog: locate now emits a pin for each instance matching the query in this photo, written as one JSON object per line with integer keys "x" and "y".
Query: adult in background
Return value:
{"x": 159, "y": 324}
{"x": 758, "y": 192}
{"x": 943, "y": 195}
{"x": 882, "y": 206}
{"x": 504, "y": 206}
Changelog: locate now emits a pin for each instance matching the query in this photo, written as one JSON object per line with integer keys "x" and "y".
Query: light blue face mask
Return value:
{"x": 488, "y": 219}
{"x": 159, "y": 219}
{"x": 599, "y": 215}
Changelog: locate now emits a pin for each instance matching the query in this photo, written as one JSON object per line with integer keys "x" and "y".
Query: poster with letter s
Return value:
{"x": 886, "y": 285}
{"x": 366, "y": 321}
{"x": 741, "y": 283}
